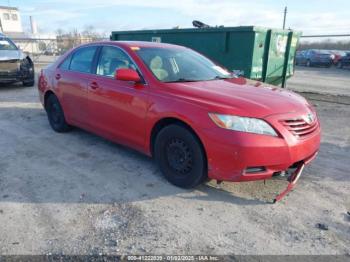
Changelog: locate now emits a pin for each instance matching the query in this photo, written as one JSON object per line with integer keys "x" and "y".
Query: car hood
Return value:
{"x": 10, "y": 55}
{"x": 240, "y": 96}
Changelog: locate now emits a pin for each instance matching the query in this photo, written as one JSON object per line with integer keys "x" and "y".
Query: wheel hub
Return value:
{"x": 179, "y": 156}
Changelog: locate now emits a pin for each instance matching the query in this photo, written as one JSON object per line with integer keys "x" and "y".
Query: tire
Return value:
{"x": 308, "y": 63}
{"x": 180, "y": 156}
{"x": 28, "y": 83}
{"x": 340, "y": 65}
{"x": 55, "y": 115}
{"x": 28, "y": 66}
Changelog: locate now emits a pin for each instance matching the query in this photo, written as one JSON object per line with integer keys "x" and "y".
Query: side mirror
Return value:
{"x": 126, "y": 74}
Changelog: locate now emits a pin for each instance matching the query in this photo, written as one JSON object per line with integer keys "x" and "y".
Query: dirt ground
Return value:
{"x": 77, "y": 193}
{"x": 322, "y": 80}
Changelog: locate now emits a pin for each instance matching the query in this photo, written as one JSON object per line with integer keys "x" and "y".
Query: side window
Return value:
{"x": 82, "y": 59}
{"x": 66, "y": 63}
{"x": 111, "y": 59}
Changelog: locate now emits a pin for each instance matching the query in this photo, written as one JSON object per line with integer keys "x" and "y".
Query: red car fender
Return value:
{"x": 156, "y": 114}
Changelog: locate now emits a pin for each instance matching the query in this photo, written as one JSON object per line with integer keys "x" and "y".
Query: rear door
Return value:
{"x": 117, "y": 109}
{"x": 71, "y": 80}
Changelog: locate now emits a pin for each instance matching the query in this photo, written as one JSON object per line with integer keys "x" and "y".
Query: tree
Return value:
{"x": 325, "y": 44}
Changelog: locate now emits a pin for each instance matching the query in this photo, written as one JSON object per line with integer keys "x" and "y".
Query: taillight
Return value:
{"x": 41, "y": 81}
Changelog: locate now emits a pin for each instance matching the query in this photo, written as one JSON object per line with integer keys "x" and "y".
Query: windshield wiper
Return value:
{"x": 181, "y": 80}
{"x": 221, "y": 77}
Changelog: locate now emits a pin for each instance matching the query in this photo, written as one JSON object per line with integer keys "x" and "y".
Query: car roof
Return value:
{"x": 140, "y": 44}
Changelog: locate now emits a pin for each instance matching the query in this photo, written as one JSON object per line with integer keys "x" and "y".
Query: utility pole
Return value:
{"x": 284, "y": 18}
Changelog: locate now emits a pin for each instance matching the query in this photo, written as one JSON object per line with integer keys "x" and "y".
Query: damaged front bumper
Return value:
{"x": 292, "y": 180}
{"x": 16, "y": 70}
{"x": 292, "y": 175}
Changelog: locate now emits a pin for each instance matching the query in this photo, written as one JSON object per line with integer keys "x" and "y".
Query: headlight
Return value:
{"x": 243, "y": 124}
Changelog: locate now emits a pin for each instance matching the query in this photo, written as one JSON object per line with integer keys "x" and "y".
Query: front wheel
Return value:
{"x": 340, "y": 65}
{"x": 180, "y": 156}
{"x": 28, "y": 83}
{"x": 308, "y": 63}
{"x": 55, "y": 115}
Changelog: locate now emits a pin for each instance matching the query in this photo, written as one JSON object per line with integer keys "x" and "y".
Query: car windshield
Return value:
{"x": 6, "y": 44}
{"x": 180, "y": 65}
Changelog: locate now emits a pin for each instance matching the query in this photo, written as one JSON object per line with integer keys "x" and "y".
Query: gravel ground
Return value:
{"x": 322, "y": 80}
{"x": 77, "y": 193}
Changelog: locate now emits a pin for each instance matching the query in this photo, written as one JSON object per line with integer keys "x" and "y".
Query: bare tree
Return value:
{"x": 325, "y": 44}
{"x": 69, "y": 39}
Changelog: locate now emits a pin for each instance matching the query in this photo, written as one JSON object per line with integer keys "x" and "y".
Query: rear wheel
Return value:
{"x": 340, "y": 65}
{"x": 55, "y": 115}
{"x": 180, "y": 156}
{"x": 308, "y": 63}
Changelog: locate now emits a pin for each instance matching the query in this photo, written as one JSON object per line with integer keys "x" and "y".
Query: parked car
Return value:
{"x": 314, "y": 57}
{"x": 344, "y": 61}
{"x": 15, "y": 66}
{"x": 196, "y": 119}
{"x": 337, "y": 55}
{"x": 299, "y": 56}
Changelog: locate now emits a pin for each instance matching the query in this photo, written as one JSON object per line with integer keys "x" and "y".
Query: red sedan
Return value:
{"x": 195, "y": 118}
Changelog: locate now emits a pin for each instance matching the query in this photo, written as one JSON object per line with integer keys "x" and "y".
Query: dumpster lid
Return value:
{"x": 197, "y": 30}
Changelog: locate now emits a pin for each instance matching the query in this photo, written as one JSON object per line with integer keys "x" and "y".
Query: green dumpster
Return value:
{"x": 258, "y": 53}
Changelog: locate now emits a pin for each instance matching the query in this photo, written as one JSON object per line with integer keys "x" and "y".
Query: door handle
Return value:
{"x": 58, "y": 76}
{"x": 94, "y": 85}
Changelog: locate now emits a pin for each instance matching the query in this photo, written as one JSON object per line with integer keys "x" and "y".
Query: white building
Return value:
{"x": 31, "y": 42}
{"x": 10, "y": 20}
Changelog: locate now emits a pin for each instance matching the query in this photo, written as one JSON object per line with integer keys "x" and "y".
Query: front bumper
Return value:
{"x": 233, "y": 155}
{"x": 292, "y": 179}
{"x": 13, "y": 71}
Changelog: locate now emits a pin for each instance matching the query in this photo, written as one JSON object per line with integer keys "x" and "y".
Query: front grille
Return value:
{"x": 300, "y": 128}
{"x": 8, "y": 74}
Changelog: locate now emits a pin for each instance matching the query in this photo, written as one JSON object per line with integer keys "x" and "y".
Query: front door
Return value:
{"x": 116, "y": 108}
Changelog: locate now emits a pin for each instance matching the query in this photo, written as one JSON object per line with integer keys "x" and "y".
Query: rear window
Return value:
{"x": 82, "y": 59}
{"x": 66, "y": 63}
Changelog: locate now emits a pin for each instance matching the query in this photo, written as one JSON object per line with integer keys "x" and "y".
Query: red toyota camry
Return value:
{"x": 194, "y": 117}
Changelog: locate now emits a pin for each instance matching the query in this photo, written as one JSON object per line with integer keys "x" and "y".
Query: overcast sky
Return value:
{"x": 310, "y": 16}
